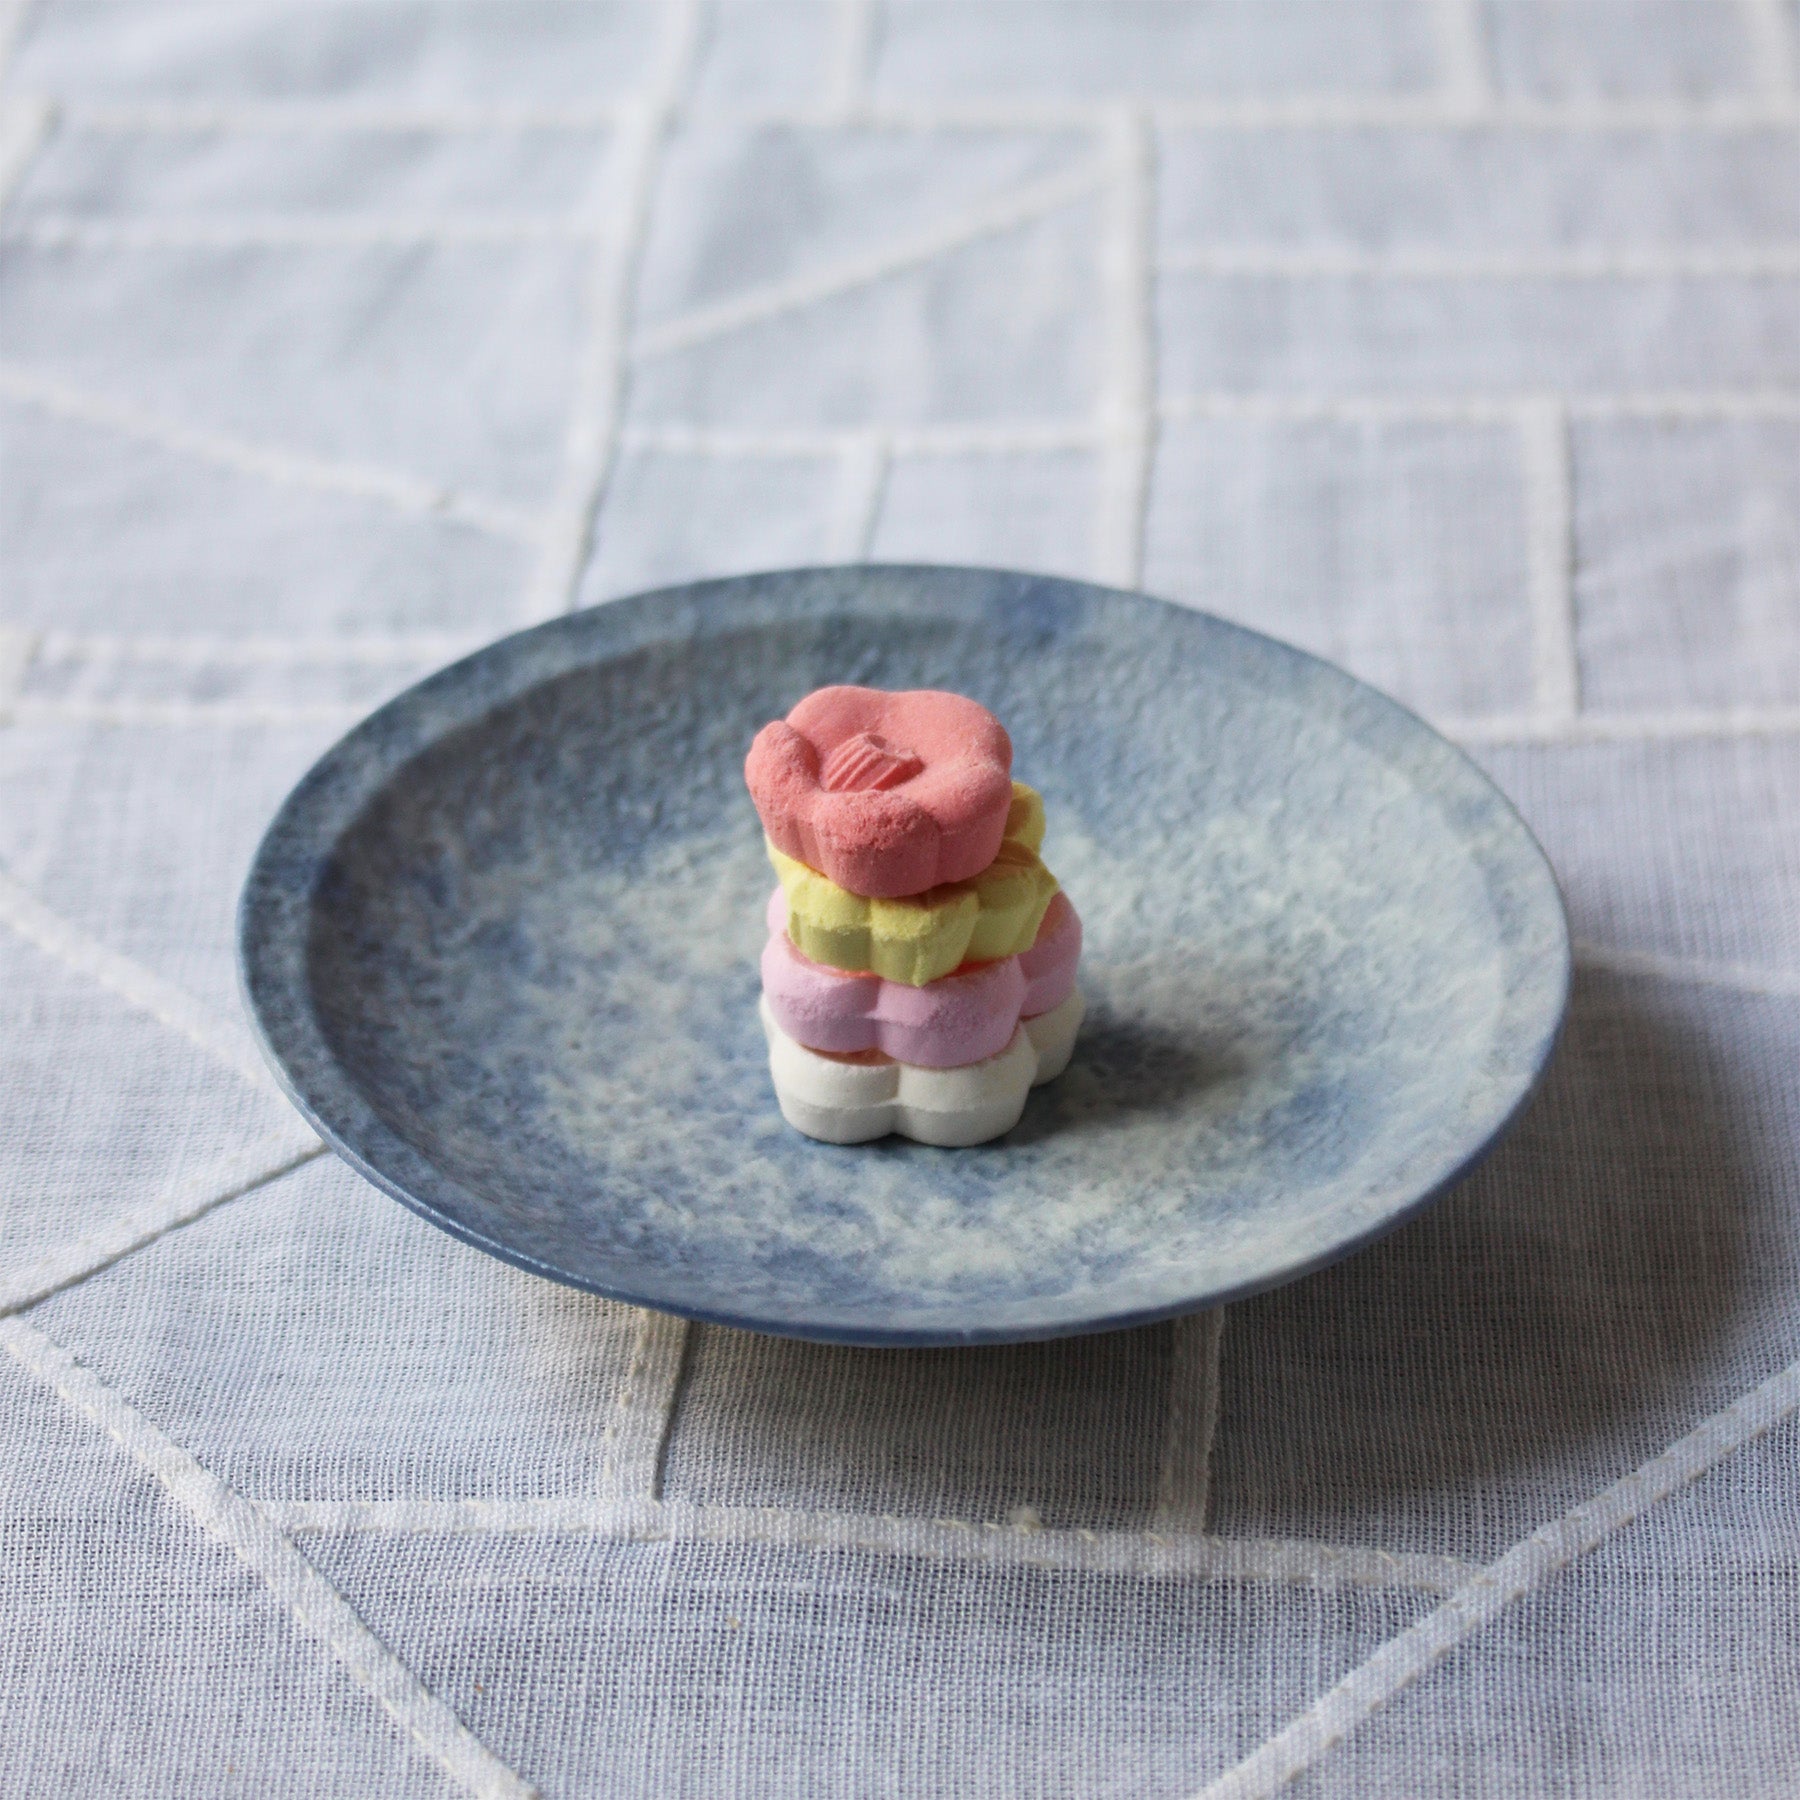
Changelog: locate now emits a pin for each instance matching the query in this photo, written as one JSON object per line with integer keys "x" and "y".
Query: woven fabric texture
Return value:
{"x": 1458, "y": 340}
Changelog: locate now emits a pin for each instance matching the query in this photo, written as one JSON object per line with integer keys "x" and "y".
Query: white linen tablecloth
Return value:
{"x": 1458, "y": 340}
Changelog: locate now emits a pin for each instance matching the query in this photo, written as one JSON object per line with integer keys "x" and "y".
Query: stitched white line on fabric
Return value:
{"x": 1326, "y": 112}
{"x": 1149, "y": 1554}
{"x": 1191, "y": 1422}
{"x": 1675, "y": 406}
{"x": 231, "y": 1178}
{"x": 1465, "y": 79}
{"x": 903, "y": 440}
{"x": 1624, "y": 728}
{"x": 1549, "y": 497}
{"x": 246, "y": 1530}
{"x": 277, "y": 117}
{"x": 1773, "y": 51}
{"x": 1650, "y": 262}
{"x": 1480, "y": 409}
{"x": 848, "y": 60}
{"x": 931, "y": 118}
{"x": 19, "y": 649}
{"x": 1740, "y": 978}
{"x": 596, "y": 412}
{"x": 1625, "y": 262}
{"x": 1007, "y": 212}
{"x": 862, "y": 476}
{"x": 1125, "y": 410}
{"x": 1477, "y": 1602}
{"x": 644, "y": 1411}
{"x": 359, "y": 651}
{"x": 294, "y": 230}
{"x": 407, "y": 493}
{"x": 32, "y": 920}
{"x": 24, "y": 124}
{"x": 346, "y": 116}
{"x": 215, "y": 715}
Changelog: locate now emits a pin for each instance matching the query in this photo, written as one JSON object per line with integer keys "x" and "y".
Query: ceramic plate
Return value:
{"x": 501, "y": 944}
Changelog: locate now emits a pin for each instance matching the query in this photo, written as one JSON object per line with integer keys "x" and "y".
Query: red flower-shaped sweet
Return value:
{"x": 887, "y": 794}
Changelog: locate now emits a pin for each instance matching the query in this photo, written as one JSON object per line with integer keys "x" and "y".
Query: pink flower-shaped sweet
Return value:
{"x": 887, "y": 794}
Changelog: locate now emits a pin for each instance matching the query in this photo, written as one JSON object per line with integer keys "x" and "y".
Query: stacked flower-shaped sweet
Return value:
{"x": 920, "y": 971}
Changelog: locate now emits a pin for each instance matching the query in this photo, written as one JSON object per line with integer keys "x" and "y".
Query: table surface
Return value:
{"x": 1457, "y": 340}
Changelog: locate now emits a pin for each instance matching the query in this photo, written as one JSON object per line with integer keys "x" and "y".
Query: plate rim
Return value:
{"x": 271, "y": 963}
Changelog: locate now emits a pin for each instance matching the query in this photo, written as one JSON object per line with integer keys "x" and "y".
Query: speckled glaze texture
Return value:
{"x": 1324, "y": 961}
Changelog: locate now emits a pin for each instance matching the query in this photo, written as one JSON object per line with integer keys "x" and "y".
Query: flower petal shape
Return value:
{"x": 884, "y": 794}
{"x": 922, "y": 937}
{"x": 964, "y": 1017}
{"x": 853, "y": 1099}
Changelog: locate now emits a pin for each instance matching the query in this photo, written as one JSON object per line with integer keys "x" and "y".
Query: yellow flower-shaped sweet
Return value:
{"x": 924, "y": 936}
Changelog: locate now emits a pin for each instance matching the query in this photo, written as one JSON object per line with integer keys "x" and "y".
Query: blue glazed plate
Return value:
{"x": 501, "y": 944}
